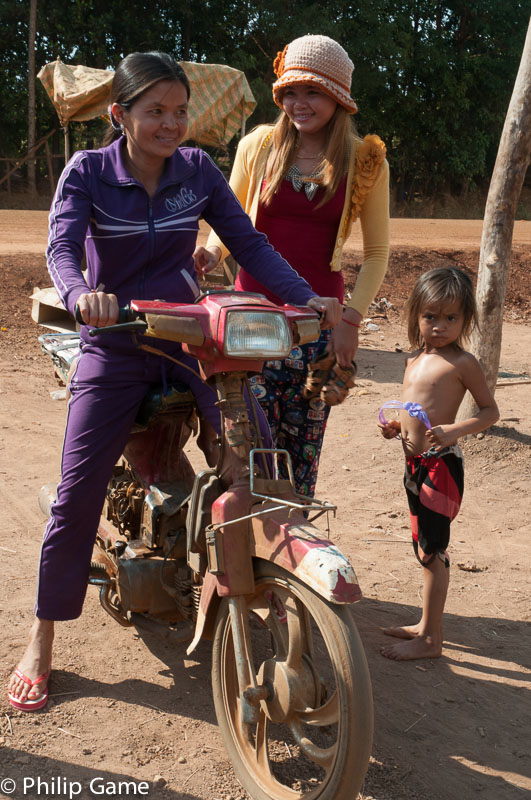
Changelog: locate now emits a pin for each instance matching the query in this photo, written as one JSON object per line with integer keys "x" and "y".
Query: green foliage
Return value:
{"x": 432, "y": 78}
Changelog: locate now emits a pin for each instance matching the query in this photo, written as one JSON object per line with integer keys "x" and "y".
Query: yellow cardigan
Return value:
{"x": 366, "y": 197}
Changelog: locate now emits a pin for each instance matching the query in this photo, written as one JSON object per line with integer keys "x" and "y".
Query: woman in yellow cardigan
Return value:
{"x": 303, "y": 182}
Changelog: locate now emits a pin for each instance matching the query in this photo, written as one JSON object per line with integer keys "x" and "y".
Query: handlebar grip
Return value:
{"x": 125, "y": 314}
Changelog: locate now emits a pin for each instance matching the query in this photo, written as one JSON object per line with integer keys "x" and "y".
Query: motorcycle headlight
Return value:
{"x": 257, "y": 334}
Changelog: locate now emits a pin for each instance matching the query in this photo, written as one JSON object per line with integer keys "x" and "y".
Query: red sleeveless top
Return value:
{"x": 304, "y": 235}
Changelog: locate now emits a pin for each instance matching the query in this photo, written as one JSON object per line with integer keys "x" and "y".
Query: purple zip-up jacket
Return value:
{"x": 139, "y": 247}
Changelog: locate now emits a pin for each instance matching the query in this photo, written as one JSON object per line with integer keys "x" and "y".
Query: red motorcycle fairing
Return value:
{"x": 202, "y": 326}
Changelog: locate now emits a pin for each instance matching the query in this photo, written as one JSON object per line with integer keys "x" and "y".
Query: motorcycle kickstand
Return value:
{"x": 250, "y": 692}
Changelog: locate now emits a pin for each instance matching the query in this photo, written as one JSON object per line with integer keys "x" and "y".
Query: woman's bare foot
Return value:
{"x": 417, "y": 647}
{"x": 403, "y": 631}
{"x": 35, "y": 661}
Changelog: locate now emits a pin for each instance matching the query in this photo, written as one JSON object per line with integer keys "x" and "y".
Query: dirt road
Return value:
{"x": 125, "y": 708}
{"x": 26, "y": 232}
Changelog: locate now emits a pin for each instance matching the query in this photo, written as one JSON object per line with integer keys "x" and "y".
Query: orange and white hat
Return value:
{"x": 318, "y": 60}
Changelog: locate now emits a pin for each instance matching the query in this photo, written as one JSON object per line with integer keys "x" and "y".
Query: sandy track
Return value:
{"x": 26, "y": 232}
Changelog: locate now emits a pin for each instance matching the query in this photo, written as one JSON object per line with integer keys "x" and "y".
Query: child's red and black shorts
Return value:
{"x": 434, "y": 483}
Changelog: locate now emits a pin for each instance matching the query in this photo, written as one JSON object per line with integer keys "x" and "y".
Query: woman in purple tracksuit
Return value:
{"x": 134, "y": 208}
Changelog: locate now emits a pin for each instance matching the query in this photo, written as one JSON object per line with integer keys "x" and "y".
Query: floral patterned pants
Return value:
{"x": 297, "y": 425}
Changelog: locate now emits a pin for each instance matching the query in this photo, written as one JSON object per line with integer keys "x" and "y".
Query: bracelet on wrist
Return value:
{"x": 354, "y": 324}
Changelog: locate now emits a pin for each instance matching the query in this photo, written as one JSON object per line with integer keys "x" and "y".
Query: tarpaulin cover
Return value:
{"x": 220, "y": 100}
{"x": 78, "y": 93}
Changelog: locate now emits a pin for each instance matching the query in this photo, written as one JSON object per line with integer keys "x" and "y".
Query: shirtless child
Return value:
{"x": 441, "y": 315}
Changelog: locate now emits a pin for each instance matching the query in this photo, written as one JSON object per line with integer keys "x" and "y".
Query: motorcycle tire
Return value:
{"x": 314, "y": 732}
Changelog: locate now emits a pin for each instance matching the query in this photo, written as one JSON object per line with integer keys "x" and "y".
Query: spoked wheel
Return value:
{"x": 314, "y": 732}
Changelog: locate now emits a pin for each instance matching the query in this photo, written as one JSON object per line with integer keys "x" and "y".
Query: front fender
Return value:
{"x": 297, "y": 547}
{"x": 301, "y": 549}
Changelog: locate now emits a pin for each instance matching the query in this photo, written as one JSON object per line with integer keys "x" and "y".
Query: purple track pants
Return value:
{"x": 106, "y": 391}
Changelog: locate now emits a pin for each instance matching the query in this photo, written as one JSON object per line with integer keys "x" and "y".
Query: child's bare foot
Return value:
{"x": 417, "y": 647}
{"x": 403, "y": 631}
{"x": 35, "y": 661}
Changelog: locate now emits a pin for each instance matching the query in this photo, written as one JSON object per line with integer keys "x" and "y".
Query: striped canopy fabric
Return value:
{"x": 220, "y": 101}
{"x": 78, "y": 93}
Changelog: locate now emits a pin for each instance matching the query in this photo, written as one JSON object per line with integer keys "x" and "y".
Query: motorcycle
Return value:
{"x": 231, "y": 554}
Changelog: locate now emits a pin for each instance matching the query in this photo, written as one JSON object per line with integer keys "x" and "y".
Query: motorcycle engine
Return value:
{"x": 123, "y": 502}
{"x": 156, "y": 517}
{"x": 152, "y": 577}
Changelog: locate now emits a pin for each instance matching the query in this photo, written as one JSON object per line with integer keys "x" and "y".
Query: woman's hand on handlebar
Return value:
{"x": 98, "y": 309}
{"x": 330, "y": 308}
{"x": 205, "y": 260}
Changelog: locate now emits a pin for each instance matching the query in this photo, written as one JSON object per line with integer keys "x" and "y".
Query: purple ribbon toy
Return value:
{"x": 413, "y": 409}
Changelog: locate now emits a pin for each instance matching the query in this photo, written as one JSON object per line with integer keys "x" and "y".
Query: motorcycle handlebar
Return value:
{"x": 125, "y": 314}
{"x": 131, "y": 320}
{"x": 128, "y": 319}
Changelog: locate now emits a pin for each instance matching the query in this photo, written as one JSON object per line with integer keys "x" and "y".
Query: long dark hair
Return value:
{"x": 136, "y": 73}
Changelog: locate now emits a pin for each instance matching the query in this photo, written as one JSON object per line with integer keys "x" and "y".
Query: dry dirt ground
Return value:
{"x": 125, "y": 708}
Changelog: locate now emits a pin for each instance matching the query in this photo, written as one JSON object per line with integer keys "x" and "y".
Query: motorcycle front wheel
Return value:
{"x": 313, "y": 736}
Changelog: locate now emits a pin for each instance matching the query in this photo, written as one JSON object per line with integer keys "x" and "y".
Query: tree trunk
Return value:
{"x": 513, "y": 157}
{"x": 32, "y": 186}
{"x": 186, "y": 32}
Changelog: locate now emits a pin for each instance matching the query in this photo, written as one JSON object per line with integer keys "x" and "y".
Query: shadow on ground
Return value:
{"x": 462, "y": 725}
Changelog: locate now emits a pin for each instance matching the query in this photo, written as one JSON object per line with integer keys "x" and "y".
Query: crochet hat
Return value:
{"x": 319, "y": 60}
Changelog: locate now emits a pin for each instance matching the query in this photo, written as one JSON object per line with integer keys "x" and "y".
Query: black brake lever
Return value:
{"x": 138, "y": 325}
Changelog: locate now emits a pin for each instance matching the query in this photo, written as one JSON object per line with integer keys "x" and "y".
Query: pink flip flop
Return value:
{"x": 27, "y": 704}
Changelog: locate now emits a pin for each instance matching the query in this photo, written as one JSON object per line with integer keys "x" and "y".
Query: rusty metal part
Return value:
{"x": 196, "y": 598}
{"x": 236, "y": 421}
{"x": 187, "y": 593}
{"x": 107, "y": 539}
{"x": 123, "y": 502}
{"x": 110, "y": 602}
{"x": 98, "y": 575}
{"x": 163, "y": 512}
